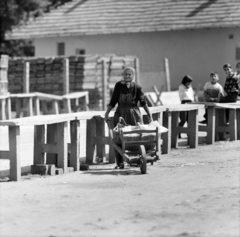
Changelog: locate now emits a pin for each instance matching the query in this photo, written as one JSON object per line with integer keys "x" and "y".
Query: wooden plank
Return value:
{"x": 3, "y": 109}
{"x": 220, "y": 121}
{"x": 233, "y": 124}
{"x": 66, "y": 76}
{"x": 111, "y": 157}
{"x": 100, "y": 131}
{"x": 184, "y": 107}
{"x": 167, "y": 73}
{"x": 36, "y": 103}
{"x": 55, "y": 107}
{"x": 51, "y": 139}
{"x": 166, "y": 137}
{"x": 4, "y": 155}
{"x": 67, "y": 105}
{"x": 91, "y": 132}
{"x": 62, "y": 146}
{"x": 193, "y": 129}
{"x": 238, "y": 124}
{"x": 44, "y": 96}
{"x": 104, "y": 85}
{"x": 18, "y": 108}
{"x": 211, "y": 125}
{"x": 14, "y": 153}
{"x": 75, "y": 95}
{"x": 75, "y": 145}
{"x": 26, "y": 84}
{"x": 8, "y": 108}
{"x": 39, "y": 156}
{"x": 175, "y": 129}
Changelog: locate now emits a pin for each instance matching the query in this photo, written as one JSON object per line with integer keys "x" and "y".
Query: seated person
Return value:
{"x": 211, "y": 92}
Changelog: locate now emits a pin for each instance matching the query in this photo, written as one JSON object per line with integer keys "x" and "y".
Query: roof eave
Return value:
{"x": 105, "y": 32}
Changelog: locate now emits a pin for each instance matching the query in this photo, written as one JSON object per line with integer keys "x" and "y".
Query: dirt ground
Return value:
{"x": 189, "y": 192}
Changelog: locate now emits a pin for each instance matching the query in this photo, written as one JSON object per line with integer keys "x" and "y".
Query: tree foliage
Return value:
{"x": 15, "y": 13}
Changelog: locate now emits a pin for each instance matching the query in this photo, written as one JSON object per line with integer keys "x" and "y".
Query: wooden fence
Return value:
{"x": 61, "y": 75}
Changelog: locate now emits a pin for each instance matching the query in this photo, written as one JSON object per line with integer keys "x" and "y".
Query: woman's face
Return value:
{"x": 128, "y": 76}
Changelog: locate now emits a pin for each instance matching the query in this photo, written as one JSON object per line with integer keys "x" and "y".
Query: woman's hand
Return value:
{"x": 106, "y": 117}
{"x": 150, "y": 118}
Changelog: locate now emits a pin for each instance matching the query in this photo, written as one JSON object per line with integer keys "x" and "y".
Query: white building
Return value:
{"x": 197, "y": 37}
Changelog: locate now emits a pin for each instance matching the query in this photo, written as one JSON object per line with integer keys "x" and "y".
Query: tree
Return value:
{"x": 15, "y": 13}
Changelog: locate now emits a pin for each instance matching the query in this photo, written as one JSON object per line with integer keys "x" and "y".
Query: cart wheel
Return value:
{"x": 143, "y": 159}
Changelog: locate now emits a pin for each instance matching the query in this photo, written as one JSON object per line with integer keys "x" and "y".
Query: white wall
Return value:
{"x": 195, "y": 52}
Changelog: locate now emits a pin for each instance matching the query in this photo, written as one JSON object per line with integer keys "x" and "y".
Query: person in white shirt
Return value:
{"x": 186, "y": 95}
{"x": 212, "y": 91}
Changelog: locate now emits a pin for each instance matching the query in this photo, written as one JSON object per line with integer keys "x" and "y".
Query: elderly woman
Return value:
{"x": 127, "y": 95}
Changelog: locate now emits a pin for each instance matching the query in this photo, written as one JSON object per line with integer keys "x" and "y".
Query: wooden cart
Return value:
{"x": 141, "y": 156}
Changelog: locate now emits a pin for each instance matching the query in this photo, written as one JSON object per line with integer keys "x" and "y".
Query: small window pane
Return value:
{"x": 61, "y": 49}
{"x": 80, "y": 51}
{"x": 237, "y": 53}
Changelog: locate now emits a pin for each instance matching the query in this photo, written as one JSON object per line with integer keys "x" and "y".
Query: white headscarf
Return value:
{"x": 128, "y": 69}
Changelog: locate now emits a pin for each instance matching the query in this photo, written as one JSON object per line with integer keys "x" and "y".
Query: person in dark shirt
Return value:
{"x": 231, "y": 88}
{"x": 127, "y": 94}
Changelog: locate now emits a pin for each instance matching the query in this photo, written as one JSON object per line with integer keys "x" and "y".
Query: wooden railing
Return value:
{"x": 56, "y": 127}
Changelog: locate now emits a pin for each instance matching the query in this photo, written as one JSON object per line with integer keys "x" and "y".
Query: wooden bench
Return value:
{"x": 42, "y": 127}
{"x": 28, "y": 104}
{"x": 172, "y": 119}
{"x": 217, "y": 126}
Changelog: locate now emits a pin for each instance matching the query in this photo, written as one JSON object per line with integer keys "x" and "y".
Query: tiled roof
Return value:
{"x": 90, "y": 17}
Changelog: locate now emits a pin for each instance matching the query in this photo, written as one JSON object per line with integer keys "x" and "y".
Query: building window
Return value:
{"x": 60, "y": 49}
{"x": 237, "y": 53}
{"x": 80, "y": 51}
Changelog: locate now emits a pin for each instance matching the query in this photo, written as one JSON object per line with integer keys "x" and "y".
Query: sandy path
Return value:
{"x": 190, "y": 192}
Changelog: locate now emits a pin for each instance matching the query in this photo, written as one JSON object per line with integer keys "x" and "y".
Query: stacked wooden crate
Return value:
{"x": 85, "y": 74}
{"x": 59, "y": 75}
{"x": 46, "y": 75}
{"x": 3, "y": 74}
{"x": 15, "y": 75}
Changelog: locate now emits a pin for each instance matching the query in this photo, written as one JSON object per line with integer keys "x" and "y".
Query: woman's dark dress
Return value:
{"x": 127, "y": 100}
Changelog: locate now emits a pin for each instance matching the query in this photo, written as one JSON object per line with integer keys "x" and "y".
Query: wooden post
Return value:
{"x": 174, "y": 130}
{"x": 66, "y": 76}
{"x": 233, "y": 124}
{"x": 75, "y": 145}
{"x": 26, "y": 86}
{"x": 104, "y": 85}
{"x": 211, "y": 124}
{"x": 137, "y": 70}
{"x": 26, "y": 102}
{"x": 167, "y": 74}
{"x": 14, "y": 153}
{"x": 62, "y": 146}
{"x": 166, "y": 137}
{"x": 100, "y": 133}
{"x": 111, "y": 158}
{"x": 90, "y": 145}
{"x": 39, "y": 140}
{"x": 193, "y": 128}
{"x": 238, "y": 124}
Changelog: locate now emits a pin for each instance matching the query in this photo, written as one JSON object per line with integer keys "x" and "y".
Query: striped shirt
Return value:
{"x": 212, "y": 91}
